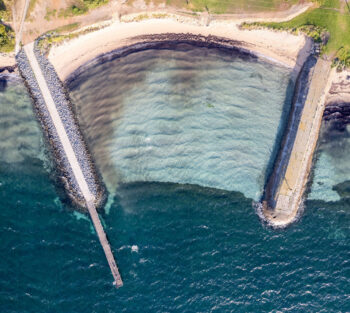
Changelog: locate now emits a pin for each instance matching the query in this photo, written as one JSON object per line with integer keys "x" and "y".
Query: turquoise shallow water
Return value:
{"x": 199, "y": 249}
{"x": 191, "y": 115}
{"x": 332, "y": 168}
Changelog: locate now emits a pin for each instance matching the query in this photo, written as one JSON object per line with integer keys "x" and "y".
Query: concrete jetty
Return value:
{"x": 286, "y": 186}
{"x": 59, "y": 126}
{"x": 65, "y": 112}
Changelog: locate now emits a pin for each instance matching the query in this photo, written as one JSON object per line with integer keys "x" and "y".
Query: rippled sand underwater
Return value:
{"x": 180, "y": 248}
{"x": 190, "y": 115}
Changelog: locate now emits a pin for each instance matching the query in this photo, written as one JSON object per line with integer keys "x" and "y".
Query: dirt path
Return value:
{"x": 20, "y": 31}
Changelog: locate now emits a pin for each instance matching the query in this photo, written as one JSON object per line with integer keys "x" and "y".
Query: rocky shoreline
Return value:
{"x": 66, "y": 113}
{"x": 338, "y": 112}
{"x": 8, "y": 69}
{"x": 338, "y": 103}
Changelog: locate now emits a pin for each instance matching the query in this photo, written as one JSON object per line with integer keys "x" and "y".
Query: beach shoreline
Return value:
{"x": 169, "y": 42}
{"x": 277, "y": 47}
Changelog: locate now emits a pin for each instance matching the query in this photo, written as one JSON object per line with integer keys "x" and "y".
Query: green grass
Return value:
{"x": 226, "y": 6}
{"x": 240, "y": 6}
{"x": 67, "y": 28}
{"x": 331, "y": 20}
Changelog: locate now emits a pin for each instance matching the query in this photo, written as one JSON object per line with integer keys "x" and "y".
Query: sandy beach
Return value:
{"x": 280, "y": 47}
{"x": 7, "y": 60}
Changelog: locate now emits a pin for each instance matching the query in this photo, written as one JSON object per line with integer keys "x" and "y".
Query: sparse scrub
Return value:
{"x": 81, "y": 7}
{"x": 5, "y": 10}
{"x": 50, "y": 14}
{"x": 57, "y": 36}
{"x": 145, "y": 16}
{"x": 91, "y": 4}
{"x": 67, "y": 28}
{"x": 31, "y": 7}
{"x": 75, "y": 9}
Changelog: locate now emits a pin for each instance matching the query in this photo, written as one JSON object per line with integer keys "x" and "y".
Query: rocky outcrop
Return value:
{"x": 338, "y": 101}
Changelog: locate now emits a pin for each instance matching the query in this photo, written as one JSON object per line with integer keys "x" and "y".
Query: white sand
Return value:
{"x": 7, "y": 59}
{"x": 281, "y": 47}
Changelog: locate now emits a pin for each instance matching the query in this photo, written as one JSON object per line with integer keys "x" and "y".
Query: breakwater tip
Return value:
{"x": 118, "y": 283}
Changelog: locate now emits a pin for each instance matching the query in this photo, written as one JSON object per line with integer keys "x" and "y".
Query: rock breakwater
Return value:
{"x": 65, "y": 111}
{"x": 337, "y": 108}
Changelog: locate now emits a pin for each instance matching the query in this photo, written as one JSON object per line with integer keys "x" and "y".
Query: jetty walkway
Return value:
{"x": 287, "y": 184}
{"x": 56, "y": 126}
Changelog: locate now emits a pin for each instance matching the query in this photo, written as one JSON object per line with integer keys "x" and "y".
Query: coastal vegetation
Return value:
{"x": 145, "y": 16}
{"x": 7, "y": 35}
{"x": 5, "y": 11}
{"x": 7, "y": 39}
{"x": 61, "y": 34}
{"x": 80, "y": 7}
{"x": 225, "y": 6}
{"x": 328, "y": 24}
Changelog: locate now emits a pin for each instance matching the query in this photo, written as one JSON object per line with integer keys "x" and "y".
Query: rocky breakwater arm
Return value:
{"x": 56, "y": 117}
{"x": 287, "y": 184}
{"x": 65, "y": 113}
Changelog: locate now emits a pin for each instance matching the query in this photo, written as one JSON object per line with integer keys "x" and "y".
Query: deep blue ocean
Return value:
{"x": 184, "y": 139}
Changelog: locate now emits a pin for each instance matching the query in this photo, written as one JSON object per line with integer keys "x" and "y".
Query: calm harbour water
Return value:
{"x": 183, "y": 139}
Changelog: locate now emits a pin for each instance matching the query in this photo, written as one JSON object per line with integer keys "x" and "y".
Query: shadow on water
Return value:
{"x": 334, "y": 135}
{"x": 282, "y": 126}
{"x": 334, "y": 143}
{"x": 287, "y": 130}
{"x": 3, "y": 84}
{"x": 165, "y": 192}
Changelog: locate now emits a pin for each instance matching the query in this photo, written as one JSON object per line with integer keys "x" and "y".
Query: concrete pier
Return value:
{"x": 287, "y": 184}
{"x": 39, "y": 87}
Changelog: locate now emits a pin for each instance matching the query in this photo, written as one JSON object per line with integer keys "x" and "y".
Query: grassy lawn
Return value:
{"x": 226, "y": 6}
{"x": 240, "y": 6}
{"x": 331, "y": 19}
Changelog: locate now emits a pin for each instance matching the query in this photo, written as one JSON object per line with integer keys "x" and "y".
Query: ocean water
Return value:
{"x": 189, "y": 115}
{"x": 331, "y": 171}
{"x": 184, "y": 245}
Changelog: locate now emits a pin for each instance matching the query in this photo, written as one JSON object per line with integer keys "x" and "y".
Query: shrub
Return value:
{"x": 7, "y": 39}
